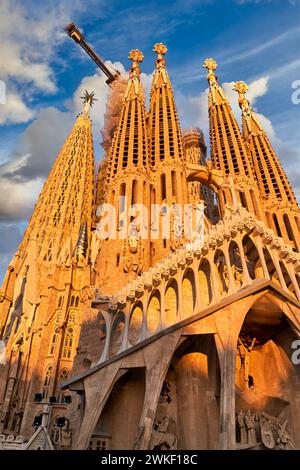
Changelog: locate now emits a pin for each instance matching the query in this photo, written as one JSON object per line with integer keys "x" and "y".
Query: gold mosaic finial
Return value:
{"x": 240, "y": 87}
{"x": 136, "y": 55}
{"x": 160, "y": 48}
{"x": 210, "y": 64}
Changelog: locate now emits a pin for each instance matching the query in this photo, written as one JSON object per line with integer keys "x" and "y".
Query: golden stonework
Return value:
{"x": 136, "y": 55}
{"x": 210, "y": 64}
{"x": 160, "y": 48}
{"x": 240, "y": 87}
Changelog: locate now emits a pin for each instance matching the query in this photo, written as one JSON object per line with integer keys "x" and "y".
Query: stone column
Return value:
{"x": 231, "y": 282}
{"x": 229, "y": 321}
{"x": 157, "y": 356}
{"x": 97, "y": 389}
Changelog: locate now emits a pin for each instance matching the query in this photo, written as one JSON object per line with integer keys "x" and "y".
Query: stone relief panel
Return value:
{"x": 261, "y": 430}
{"x": 164, "y": 431}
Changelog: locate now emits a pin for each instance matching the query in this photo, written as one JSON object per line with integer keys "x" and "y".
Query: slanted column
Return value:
{"x": 258, "y": 245}
{"x": 246, "y": 277}
{"x": 274, "y": 257}
{"x": 197, "y": 285}
{"x": 157, "y": 356}
{"x": 293, "y": 279}
{"x": 162, "y": 290}
{"x": 231, "y": 281}
{"x": 145, "y": 308}
{"x": 227, "y": 402}
{"x": 127, "y": 312}
{"x": 180, "y": 300}
{"x": 216, "y": 295}
{"x": 229, "y": 321}
{"x": 108, "y": 321}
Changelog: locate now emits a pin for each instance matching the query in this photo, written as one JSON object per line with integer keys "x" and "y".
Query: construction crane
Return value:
{"x": 74, "y": 33}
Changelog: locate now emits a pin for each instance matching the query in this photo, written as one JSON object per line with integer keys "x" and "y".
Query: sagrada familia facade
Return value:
{"x": 161, "y": 343}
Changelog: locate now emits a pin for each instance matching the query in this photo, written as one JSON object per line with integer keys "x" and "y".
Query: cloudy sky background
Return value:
{"x": 45, "y": 72}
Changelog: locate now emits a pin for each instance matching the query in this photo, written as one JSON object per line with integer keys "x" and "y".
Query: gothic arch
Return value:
{"x": 266, "y": 379}
{"x": 135, "y": 323}
{"x": 221, "y": 272}
{"x": 171, "y": 303}
{"x": 116, "y": 335}
{"x": 188, "y": 293}
{"x": 204, "y": 275}
{"x": 154, "y": 312}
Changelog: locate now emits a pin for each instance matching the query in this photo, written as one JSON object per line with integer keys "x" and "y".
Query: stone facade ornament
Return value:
{"x": 260, "y": 430}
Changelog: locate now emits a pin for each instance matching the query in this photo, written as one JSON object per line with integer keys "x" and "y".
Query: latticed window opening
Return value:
{"x": 52, "y": 344}
{"x": 74, "y": 301}
{"x": 46, "y": 382}
{"x": 68, "y": 343}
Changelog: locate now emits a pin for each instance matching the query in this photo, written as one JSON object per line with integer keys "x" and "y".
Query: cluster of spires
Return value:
{"x": 249, "y": 156}
{"x": 61, "y": 227}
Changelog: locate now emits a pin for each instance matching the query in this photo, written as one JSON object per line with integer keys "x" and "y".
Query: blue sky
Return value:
{"x": 257, "y": 41}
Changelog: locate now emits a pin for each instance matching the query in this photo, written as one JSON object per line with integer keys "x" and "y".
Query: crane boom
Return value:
{"x": 74, "y": 33}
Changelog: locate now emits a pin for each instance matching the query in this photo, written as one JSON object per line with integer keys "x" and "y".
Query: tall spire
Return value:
{"x": 228, "y": 150}
{"x": 271, "y": 176}
{"x": 130, "y": 142}
{"x": 40, "y": 308}
{"x": 279, "y": 200}
{"x": 67, "y": 197}
{"x": 167, "y": 161}
{"x": 126, "y": 184}
{"x": 164, "y": 128}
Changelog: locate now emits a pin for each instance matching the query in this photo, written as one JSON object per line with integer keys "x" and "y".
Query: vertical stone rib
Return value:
{"x": 228, "y": 150}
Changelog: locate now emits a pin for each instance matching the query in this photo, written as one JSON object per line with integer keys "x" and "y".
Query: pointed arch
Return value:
{"x": 204, "y": 274}
{"x": 135, "y": 323}
{"x": 171, "y": 303}
{"x": 188, "y": 293}
{"x": 154, "y": 312}
{"x": 116, "y": 335}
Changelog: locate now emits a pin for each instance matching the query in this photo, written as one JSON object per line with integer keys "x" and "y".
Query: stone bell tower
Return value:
{"x": 228, "y": 150}
{"x": 167, "y": 160}
{"x": 42, "y": 295}
{"x": 123, "y": 252}
{"x": 278, "y": 199}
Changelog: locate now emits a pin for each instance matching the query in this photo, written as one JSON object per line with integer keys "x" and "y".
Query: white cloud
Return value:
{"x": 31, "y": 159}
{"x": 22, "y": 175}
{"x": 193, "y": 110}
{"x": 17, "y": 198}
{"x": 30, "y": 33}
{"x": 39, "y": 143}
{"x": 96, "y": 83}
{"x": 14, "y": 111}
